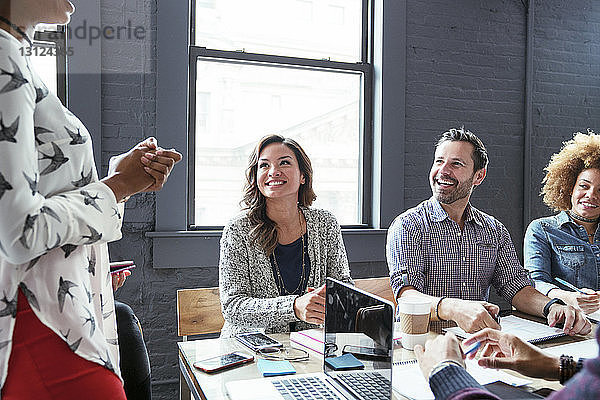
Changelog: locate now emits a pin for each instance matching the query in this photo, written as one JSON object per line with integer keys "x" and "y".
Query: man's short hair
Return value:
{"x": 479, "y": 155}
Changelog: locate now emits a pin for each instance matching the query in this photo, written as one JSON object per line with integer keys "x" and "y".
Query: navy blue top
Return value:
{"x": 289, "y": 260}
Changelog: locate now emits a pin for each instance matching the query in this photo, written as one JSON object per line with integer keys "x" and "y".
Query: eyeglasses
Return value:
{"x": 330, "y": 349}
{"x": 283, "y": 353}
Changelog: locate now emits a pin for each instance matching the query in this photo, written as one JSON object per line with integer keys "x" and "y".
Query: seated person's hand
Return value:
{"x": 588, "y": 302}
{"x": 573, "y": 319}
{"x": 471, "y": 316}
{"x": 502, "y": 350}
{"x": 437, "y": 350}
{"x": 310, "y": 307}
{"x": 118, "y": 279}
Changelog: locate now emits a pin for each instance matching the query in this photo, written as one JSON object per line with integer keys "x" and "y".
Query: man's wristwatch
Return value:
{"x": 549, "y": 304}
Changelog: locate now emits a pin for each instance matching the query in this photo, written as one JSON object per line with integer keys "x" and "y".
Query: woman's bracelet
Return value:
{"x": 437, "y": 309}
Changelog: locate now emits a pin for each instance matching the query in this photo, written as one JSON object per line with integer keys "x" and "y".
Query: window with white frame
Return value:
{"x": 298, "y": 68}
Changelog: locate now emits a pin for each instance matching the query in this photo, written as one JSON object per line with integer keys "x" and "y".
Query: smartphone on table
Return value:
{"x": 119, "y": 266}
{"x": 258, "y": 341}
{"x": 223, "y": 361}
{"x": 365, "y": 352}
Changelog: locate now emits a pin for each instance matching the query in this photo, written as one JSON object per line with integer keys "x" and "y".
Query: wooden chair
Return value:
{"x": 198, "y": 312}
{"x": 377, "y": 286}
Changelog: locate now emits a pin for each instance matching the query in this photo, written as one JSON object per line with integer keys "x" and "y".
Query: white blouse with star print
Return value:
{"x": 55, "y": 218}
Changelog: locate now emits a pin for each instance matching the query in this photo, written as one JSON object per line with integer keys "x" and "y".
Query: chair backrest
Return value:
{"x": 198, "y": 312}
{"x": 377, "y": 286}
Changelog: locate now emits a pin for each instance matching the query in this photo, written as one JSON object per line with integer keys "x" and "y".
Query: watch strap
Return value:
{"x": 549, "y": 304}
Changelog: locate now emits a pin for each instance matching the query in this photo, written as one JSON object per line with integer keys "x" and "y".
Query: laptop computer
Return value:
{"x": 357, "y": 362}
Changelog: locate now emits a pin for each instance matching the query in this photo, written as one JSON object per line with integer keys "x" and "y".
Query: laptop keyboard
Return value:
{"x": 304, "y": 389}
{"x": 366, "y": 385}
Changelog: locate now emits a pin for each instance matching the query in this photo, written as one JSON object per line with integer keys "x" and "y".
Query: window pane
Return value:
{"x": 238, "y": 103}
{"x": 300, "y": 28}
{"x": 45, "y": 65}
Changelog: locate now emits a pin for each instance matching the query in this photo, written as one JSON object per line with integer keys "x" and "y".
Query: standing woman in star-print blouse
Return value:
{"x": 58, "y": 335}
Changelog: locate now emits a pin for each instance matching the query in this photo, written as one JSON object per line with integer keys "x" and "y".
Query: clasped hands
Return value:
{"x": 144, "y": 168}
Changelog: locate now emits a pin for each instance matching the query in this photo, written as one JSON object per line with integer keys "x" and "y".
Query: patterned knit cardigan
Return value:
{"x": 250, "y": 299}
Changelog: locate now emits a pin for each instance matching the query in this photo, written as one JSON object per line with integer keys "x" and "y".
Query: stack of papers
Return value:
{"x": 583, "y": 349}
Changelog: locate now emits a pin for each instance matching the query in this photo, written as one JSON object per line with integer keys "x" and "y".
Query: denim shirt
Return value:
{"x": 558, "y": 247}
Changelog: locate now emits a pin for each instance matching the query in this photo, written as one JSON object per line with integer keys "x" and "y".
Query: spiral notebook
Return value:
{"x": 529, "y": 331}
{"x": 408, "y": 380}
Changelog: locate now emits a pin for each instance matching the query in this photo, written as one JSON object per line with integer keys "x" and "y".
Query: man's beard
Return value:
{"x": 460, "y": 191}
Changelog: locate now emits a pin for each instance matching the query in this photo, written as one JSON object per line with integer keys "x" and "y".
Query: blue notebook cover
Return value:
{"x": 345, "y": 362}
{"x": 275, "y": 368}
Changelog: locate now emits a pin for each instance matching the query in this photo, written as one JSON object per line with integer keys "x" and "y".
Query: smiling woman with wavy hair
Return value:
{"x": 279, "y": 249}
{"x": 264, "y": 231}
{"x": 560, "y": 246}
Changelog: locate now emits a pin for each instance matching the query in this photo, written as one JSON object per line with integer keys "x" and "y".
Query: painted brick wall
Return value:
{"x": 465, "y": 65}
{"x": 566, "y": 80}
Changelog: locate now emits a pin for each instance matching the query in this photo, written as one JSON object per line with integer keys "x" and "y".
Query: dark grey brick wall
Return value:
{"x": 465, "y": 65}
{"x": 566, "y": 80}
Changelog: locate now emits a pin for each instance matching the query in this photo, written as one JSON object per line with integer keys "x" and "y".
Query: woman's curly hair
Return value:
{"x": 581, "y": 152}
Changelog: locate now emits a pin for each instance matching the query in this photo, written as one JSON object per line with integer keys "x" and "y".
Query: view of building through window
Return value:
{"x": 238, "y": 102}
{"x": 44, "y": 55}
{"x": 45, "y": 66}
{"x": 319, "y": 29}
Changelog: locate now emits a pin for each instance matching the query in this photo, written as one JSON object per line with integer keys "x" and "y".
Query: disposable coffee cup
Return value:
{"x": 413, "y": 315}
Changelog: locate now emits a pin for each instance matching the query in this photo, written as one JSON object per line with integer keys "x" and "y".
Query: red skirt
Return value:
{"x": 43, "y": 367}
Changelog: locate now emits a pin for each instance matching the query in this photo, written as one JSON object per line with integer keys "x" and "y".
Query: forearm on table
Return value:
{"x": 530, "y": 301}
{"x": 244, "y": 310}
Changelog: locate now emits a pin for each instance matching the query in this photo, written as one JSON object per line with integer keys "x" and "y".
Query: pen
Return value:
{"x": 473, "y": 348}
{"x": 496, "y": 318}
{"x": 569, "y": 285}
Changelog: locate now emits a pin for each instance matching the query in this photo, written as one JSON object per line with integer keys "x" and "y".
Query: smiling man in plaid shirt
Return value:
{"x": 449, "y": 251}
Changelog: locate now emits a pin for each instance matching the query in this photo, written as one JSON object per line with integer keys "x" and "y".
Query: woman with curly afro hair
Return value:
{"x": 567, "y": 245}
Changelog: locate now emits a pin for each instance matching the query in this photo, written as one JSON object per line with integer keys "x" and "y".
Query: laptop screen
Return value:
{"x": 358, "y": 332}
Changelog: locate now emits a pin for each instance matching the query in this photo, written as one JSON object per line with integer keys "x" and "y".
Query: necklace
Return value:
{"x": 280, "y": 282}
{"x": 582, "y": 219}
{"x": 17, "y": 28}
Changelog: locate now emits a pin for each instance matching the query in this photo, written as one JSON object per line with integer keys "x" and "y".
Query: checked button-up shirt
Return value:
{"x": 427, "y": 250}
